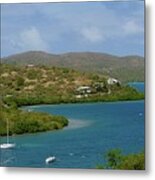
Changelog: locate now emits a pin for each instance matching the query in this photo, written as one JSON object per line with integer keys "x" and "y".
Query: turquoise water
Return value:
{"x": 139, "y": 86}
{"x": 94, "y": 128}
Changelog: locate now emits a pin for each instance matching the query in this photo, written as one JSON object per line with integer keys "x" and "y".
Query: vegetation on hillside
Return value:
{"x": 40, "y": 85}
{"x": 114, "y": 159}
{"x": 31, "y": 85}
{"x": 21, "y": 122}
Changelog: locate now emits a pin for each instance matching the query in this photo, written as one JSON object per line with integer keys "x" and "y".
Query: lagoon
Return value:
{"x": 94, "y": 128}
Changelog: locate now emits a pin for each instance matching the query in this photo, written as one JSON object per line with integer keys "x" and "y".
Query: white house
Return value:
{"x": 112, "y": 81}
{"x": 84, "y": 90}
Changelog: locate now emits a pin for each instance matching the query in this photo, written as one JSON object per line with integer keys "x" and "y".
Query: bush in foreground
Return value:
{"x": 116, "y": 160}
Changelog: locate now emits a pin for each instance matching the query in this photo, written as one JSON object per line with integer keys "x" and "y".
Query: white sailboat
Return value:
{"x": 7, "y": 145}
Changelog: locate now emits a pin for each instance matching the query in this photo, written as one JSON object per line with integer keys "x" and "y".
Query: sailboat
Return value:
{"x": 7, "y": 145}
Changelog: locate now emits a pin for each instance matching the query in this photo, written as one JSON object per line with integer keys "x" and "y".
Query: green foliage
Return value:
{"x": 33, "y": 74}
{"x": 113, "y": 158}
{"x": 21, "y": 122}
{"x": 133, "y": 162}
{"x": 20, "y": 81}
{"x": 116, "y": 160}
{"x": 43, "y": 85}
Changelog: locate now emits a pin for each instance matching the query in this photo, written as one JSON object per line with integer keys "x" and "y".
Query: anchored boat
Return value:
{"x": 7, "y": 145}
{"x": 50, "y": 159}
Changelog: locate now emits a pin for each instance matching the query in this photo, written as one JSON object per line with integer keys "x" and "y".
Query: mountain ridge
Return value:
{"x": 125, "y": 68}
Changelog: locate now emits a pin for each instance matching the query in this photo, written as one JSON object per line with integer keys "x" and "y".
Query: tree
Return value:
{"x": 116, "y": 160}
{"x": 113, "y": 158}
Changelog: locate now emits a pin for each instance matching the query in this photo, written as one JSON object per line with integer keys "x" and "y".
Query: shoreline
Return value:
{"x": 139, "y": 95}
{"x": 30, "y": 108}
{"x": 70, "y": 121}
{"x": 83, "y": 102}
{"x": 73, "y": 124}
{"x": 78, "y": 103}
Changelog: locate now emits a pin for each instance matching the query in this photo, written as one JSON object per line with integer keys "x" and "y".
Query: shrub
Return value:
{"x": 116, "y": 160}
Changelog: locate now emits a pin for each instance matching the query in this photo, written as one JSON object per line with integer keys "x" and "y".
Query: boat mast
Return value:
{"x": 7, "y": 132}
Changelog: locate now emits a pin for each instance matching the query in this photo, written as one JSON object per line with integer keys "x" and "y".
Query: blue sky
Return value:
{"x": 110, "y": 27}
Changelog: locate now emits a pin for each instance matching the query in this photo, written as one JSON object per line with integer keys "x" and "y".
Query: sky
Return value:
{"x": 108, "y": 27}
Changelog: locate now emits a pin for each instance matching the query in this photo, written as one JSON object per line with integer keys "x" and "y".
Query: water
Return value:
{"x": 94, "y": 128}
{"x": 139, "y": 86}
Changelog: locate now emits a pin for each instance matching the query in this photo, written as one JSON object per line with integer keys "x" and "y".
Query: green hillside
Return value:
{"x": 31, "y": 85}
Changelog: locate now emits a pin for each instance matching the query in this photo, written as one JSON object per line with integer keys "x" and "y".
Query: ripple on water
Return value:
{"x": 74, "y": 124}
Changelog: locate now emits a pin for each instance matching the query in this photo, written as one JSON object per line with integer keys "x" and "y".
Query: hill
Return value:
{"x": 31, "y": 85}
{"x": 27, "y": 85}
{"x": 127, "y": 68}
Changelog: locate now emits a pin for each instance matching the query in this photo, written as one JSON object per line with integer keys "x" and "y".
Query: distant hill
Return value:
{"x": 127, "y": 68}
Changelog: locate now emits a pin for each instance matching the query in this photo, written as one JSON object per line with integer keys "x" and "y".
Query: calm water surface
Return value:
{"x": 94, "y": 128}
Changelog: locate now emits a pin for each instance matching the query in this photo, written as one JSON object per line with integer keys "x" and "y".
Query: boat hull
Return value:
{"x": 7, "y": 146}
{"x": 50, "y": 160}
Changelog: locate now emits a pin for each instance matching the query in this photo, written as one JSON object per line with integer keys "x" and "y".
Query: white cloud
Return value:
{"x": 132, "y": 27}
{"x": 30, "y": 39}
{"x": 92, "y": 34}
{"x": 64, "y": 27}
